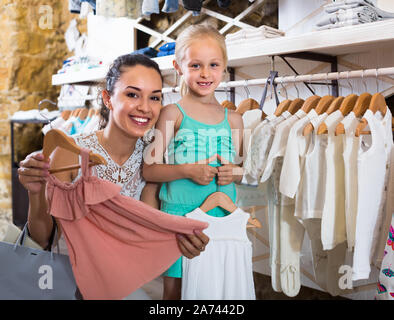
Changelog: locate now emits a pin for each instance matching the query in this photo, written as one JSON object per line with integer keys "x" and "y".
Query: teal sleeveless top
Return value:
{"x": 196, "y": 141}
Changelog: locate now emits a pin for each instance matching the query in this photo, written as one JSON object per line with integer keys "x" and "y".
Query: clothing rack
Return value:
{"x": 360, "y": 74}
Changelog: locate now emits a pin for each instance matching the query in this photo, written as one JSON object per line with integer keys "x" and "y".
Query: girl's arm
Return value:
{"x": 154, "y": 169}
{"x": 150, "y": 195}
{"x": 230, "y": 172}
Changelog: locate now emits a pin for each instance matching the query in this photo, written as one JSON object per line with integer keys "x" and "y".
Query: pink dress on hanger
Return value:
{"x": 116, "y": 244}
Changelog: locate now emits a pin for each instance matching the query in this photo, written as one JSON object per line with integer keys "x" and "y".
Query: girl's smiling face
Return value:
{"x": 202, "y": 66}
{"x": 136, "y": 100}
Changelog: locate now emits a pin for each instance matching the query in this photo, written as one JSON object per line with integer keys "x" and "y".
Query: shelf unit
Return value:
{"x": 345, "y": 40}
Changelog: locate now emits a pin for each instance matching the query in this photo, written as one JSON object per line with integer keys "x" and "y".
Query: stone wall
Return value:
{"x": 32, "y": 48}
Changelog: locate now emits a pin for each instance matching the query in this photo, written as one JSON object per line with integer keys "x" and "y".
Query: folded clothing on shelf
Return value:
{"x": 78, "y": 63}
{"x": 167, "y": 49}
{"x": 148, "y": 51}
{"x": 35, "y": 114}
{"x": 362, "y": 14}
{"x": 351, "y": 12}
{"x": 246, "y": 35}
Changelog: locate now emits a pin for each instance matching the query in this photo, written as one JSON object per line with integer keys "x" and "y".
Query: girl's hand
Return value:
{"x": 200, "y": 172}
{"x": 228, "y": 172}
{"x": 33, "y": 171}
{"x": 192, "y": 245}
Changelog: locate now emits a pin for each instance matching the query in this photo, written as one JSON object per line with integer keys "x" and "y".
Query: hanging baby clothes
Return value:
{"x": 385, "y": 286}
{"x": 333, "y": 217}
{"x": 249, "y": 195}
{"x": 286, "y": 259}
{"x": 119, "y": 8}
{"x": 350, "y": 150}
{"x": 310, "y": 198}
{"x": 258, "y": 150}
{"x": 116, "y": 243}
{"x": 373, "y": 162}
{"x": 223, "y": 271}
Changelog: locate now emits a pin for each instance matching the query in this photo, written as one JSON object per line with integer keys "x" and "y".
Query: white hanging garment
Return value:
{"x": 284, "y": 246}
{"x": 249, "y": 193}
{"x": 373, "y": 162}
{"x": 293, "y": 161}
{"x": 350, "y": 152}
{"x": 385, "y": 259}
{"x": 310, "y": 198}
{"x": 259, "y": 147}
{"x": 333, "y": 230}
{"x": 223, "y": 271}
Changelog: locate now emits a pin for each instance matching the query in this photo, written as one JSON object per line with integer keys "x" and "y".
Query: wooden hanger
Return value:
{"x": 220, "y": 199}
{"x": 83, "y": 114}
{"x": 310, "y": 103}
{"x": 91, "y": 112}
{"x": 377, "y": 103}
{"x": 65, "y": 114}
{"x": 75, "y": 112}
{"x": 346, "y": 107}
{"x": 229, "y": 105}
{"x": 282, "y": 107}
{"x": 247, "y": 104}
{"x": 324, "y": 104}
{"x": 334, "y": 106}
{"x": 362, "y": 104}
{"x": 295, "y": 105}
{"x": 57, "y": 138}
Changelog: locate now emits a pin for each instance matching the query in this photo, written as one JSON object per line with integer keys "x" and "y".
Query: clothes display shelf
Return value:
{"x": 346, "y": 40}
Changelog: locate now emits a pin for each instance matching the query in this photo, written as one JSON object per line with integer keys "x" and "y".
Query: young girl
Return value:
{"x": 200, "y": 135}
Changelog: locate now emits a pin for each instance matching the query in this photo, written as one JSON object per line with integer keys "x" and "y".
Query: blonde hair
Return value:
{"x": 190, "y": 34}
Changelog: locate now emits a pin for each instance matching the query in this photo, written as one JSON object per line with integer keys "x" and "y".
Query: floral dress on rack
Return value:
{"x": 385, "y": 286}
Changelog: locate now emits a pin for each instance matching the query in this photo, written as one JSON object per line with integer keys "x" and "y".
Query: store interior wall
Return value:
{"x": 32, "y": 49}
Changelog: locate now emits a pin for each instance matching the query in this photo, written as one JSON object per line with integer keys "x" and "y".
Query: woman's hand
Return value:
{"x": 228, "y": 172}
{"x": 33, "y": 171}
{"x": 192, "y": 245}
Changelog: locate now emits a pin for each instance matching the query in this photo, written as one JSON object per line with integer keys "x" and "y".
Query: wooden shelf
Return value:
{"x": 340, "y": 41}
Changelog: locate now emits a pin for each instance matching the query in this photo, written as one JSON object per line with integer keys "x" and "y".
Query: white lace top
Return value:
{"x": 128, "y": 175}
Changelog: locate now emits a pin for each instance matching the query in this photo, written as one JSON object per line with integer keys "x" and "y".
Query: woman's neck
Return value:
{"x": 118, "y": 145}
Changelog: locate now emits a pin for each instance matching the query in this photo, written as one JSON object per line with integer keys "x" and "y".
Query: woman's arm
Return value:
{"x": 32, "y": 175}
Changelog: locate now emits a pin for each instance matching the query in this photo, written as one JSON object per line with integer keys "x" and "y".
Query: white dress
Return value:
{"x": 286, "y": 233}
{"x": 373, "y": 162}
{"x": 223, "y": 271}
{"x": 350, "y": 151}
{"x": 333, "y": 224}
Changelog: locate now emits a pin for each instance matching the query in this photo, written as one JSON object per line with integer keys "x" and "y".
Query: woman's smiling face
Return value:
{"x": 136, "y": 100}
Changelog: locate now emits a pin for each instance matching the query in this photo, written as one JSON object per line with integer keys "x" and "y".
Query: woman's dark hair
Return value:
{"x": 114, "y": 73}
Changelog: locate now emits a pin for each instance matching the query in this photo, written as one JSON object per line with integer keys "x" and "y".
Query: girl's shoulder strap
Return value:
{"x": 181, "y": 109}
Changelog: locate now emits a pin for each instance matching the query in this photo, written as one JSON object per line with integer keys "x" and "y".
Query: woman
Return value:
{"x": 132, "y": 100}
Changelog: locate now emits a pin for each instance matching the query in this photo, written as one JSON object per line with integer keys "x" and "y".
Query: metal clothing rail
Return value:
{"x": 309, "y": 78}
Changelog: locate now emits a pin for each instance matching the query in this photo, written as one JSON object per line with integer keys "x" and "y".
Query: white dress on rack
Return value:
{"x": 223, "y": 271}
{"x": 373, "y": 162}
